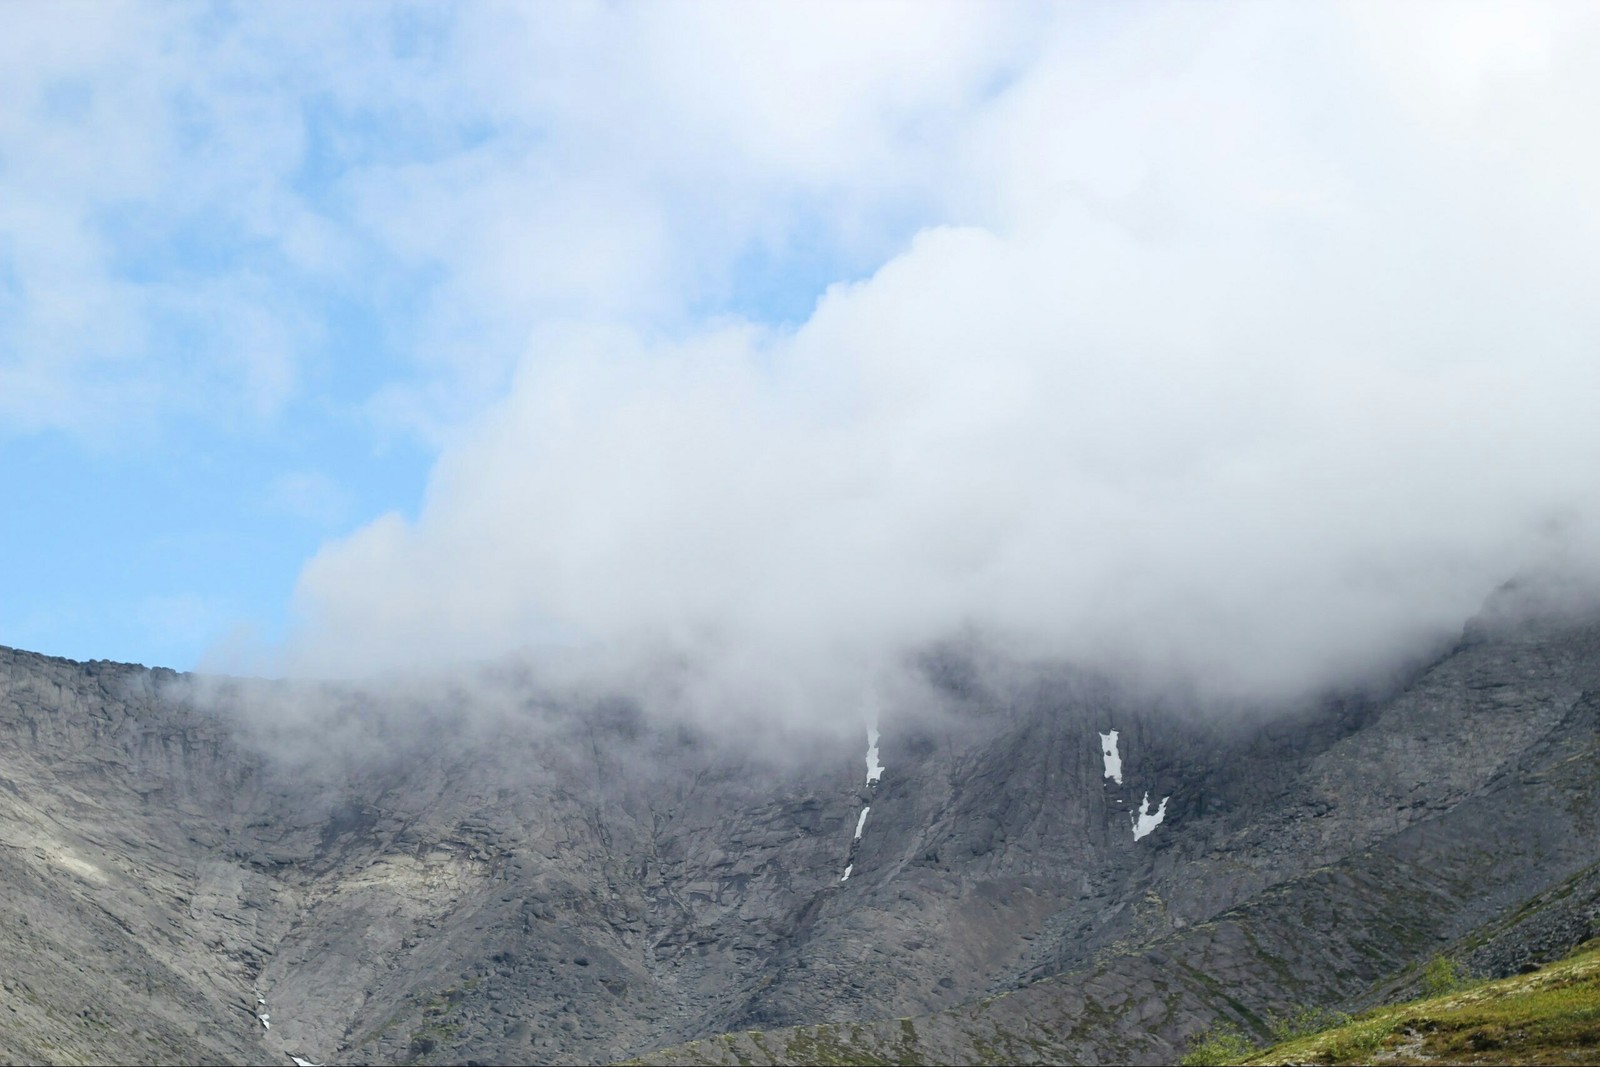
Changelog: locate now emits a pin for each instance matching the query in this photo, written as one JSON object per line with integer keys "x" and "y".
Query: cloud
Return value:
{"x": 143, "y": 173}
{"x": 194, "y": 199}
{"x": 632, "y": 158}
{"x": 1260, "y": 358}
{"x": 1233, "y": 345}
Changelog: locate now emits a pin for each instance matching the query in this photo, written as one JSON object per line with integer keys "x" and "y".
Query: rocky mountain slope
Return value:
{"x": 192, "y": 872}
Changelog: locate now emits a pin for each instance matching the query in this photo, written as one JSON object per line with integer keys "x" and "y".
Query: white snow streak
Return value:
{"x": 874, "y": 772}
{"x": 1108, "y": 749}
{"x": 1145, "y": 820}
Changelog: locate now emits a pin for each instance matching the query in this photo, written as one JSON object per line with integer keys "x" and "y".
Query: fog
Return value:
{"x": 1256, "y": 349}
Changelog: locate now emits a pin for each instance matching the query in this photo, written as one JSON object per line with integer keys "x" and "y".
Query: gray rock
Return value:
{"x": 428, "y": 884}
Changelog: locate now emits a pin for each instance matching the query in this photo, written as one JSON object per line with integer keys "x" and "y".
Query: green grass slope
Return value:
{"x": 1549, "y": 1016}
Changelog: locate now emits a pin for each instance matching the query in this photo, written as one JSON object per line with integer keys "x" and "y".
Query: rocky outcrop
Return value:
{"x": 196, "y": 873}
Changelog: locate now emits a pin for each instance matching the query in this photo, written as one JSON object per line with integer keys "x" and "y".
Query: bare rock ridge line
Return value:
{"x": 567, "y": 885}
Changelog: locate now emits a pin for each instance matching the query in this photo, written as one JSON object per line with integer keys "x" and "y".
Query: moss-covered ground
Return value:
{"x": 1549, "y": 1016}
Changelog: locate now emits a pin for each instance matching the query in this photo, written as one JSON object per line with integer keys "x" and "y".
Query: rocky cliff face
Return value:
{"x": 429, "y": 883}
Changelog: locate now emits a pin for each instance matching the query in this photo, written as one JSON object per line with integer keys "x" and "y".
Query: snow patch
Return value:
{"x": 1108, "y": 749}
{"x": 1145, "y": 820}
{"x": 298, "y": 1062}
{"x": 874, "y": 772}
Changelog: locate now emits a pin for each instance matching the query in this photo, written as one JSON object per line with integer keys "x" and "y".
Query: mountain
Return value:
{"x": 207, "y": 871}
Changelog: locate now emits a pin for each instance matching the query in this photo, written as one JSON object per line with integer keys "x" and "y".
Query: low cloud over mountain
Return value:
{"x": 1257, "y": 352}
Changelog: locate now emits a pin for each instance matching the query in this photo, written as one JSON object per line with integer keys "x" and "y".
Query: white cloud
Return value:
{"x": 1242, "y": 342}
{"x": 638, "y": 152}
{"x": 1243, "y": 380}
{"x": 133, "y": 149}
{"x": 181, "y": 185}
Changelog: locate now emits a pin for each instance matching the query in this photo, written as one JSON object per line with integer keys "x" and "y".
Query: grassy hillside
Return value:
{"x": 1551, "y": 1015}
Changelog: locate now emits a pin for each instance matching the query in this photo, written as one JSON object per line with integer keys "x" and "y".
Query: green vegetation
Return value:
{"x": 1441, "y": 976}
{"x": 1216, "y": 1045}
{"x": 1549, "y": 1016}
{"x": 1303, "y": 1020}
{"x": 1227, "y": 1043}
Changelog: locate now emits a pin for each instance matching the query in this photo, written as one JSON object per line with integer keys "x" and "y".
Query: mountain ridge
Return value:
{"x": 444, "y": 886}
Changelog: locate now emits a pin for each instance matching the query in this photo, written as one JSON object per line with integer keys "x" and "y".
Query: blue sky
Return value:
{"x": 1239, "y": 343}
{"x": 174, "y": 509}
{"x": 217, "y": 358}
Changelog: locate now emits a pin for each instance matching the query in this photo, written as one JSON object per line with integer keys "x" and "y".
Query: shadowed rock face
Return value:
{"x": 403, "y": 885}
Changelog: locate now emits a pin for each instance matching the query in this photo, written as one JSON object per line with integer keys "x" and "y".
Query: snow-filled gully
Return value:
{"x": 874, "y": 772}
{"x": 1144, "y": 819}
{"x": 1108, "y": 751}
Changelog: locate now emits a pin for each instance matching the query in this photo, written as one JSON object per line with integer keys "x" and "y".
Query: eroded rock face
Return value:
{"x": 430, "y": 885}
